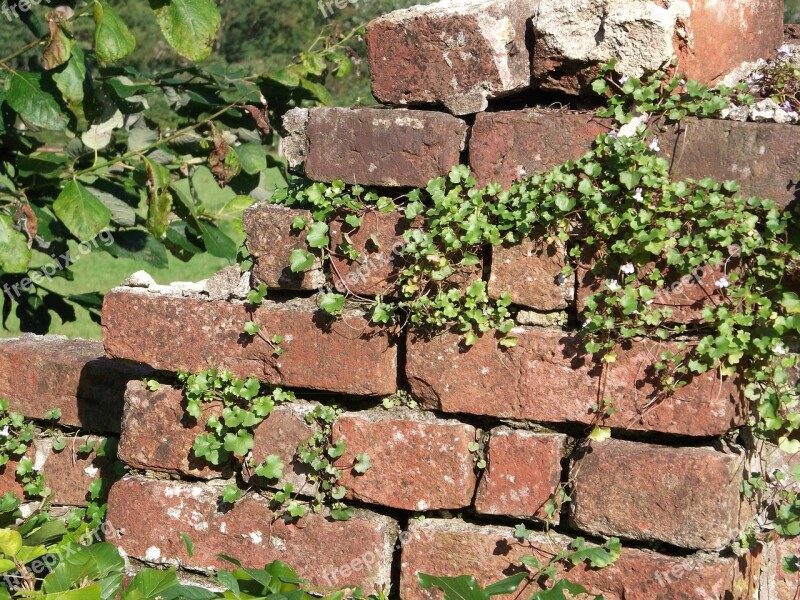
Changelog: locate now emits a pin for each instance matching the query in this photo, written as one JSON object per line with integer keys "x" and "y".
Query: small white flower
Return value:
{"x": 613, "y": 285}
{"x": 654, "y": 145}
{"x": 780, "y": 348}
{"x": 722, "y": 282}
{"x": 638, "y": 195}
{"x": 628, "y": 269}
{"x": 623, "y": 79}
{"x": 784, "y": 51}
{"x": 521, "y": 172}
{"x": 4, "y": 431}
{"x": 587, "y": 322}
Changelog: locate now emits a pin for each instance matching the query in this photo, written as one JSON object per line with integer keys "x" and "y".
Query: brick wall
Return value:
{"x": 665, "y": 484}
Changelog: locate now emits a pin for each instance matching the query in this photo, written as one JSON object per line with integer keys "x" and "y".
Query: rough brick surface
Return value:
{"x": 506, "y": 145}
{"x": 688, "y": 497}
{"x": 531, "y": 273}
{"x": 707, "y": 40}
{"x": 545, "y": 379}
{"x": 172, "y": 333}
{"x": 280, "y": 435}
{"x": 379, "y": 242}
{"x": 761, "y": 156}
{"x": 69, "y": 473}
{"x": 449, "y": 547}
{"x": 523, "y": 471}
{"x": 371, "y": 146}
{"x": 38, "y": 374}
{"x": 455, "y": 53}
{"x": 685, "y": 297}
{"x": 775, "y": 582}
{"x": 419, "y": 462}
{"x": 157, "y": 435}
{"x": 318, "y": 547}
{"x": 271, "y": 240}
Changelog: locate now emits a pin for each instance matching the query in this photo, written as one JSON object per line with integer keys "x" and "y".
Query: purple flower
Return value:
{"x": 786, "y": 105}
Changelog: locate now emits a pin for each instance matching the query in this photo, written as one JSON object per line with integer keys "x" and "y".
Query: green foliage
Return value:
{"x": 155, "y": 163}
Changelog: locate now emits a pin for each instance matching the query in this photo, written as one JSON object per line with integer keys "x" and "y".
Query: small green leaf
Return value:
{"x": 332, "y": 303}
{"x": 271, "y": 468}
{"x": 363, "y": 463}
{"x": 189, "y": 26}
{"x": 83, "y": 214}
{"x": 112, "y": 38}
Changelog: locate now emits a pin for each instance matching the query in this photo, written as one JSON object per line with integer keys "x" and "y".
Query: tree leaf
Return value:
{"x": 35, "y": 106}
{"x": 14, "y": 252}
{"x": 58, "y": 49}
{"x": 112, "y": 38}
{"x": 99, "y": 135}
{"x": 83, "y": 214}
{"x": 189, "y": 26}
{"x": 71, "y": 78}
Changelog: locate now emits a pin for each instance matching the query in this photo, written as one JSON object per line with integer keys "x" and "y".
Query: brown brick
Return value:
{"x": 69, "y": 473}
{"x": 776, "y": 582}
{"x": 157, "y": 435}
{"x": 688, "y": 497}
{"x": 280, "y": 435}
{"x": 685, "y": 297}
{"x": 450, "y": 547}
{"x": 372, "y": 146}
{"x": 760, "y": 156}
{"x": 318, "y": 547}
{"x": 451, "y": 53}
{"x": 545, "y": 378}
{"x": 523, "y": 472}
{"x": 506, "y": 145}
{"x": 379, "y": 242}
{"x": 707, "y": 41}
{"x": 171, "y": 333}
{"x": 419, "y": 462}
{"x": 531, "y": 273}
{"x": 40, "y": 373}
{"x": 271, "y": 240}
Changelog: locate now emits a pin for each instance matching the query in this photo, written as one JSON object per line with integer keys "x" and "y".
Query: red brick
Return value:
{"x": 8, "y": 475}
{"x": 280, "y": 435}
{"x": 762, "y": 157}
{"x": 706, "y": 39}
{"x": 172, "y": 333}
{"x": 419, "y": 462}
{"x": 69, "y": 473}
{"x": 687, "y": 497}
{"x": 545, "y": 378}
{"x": 271, "y": 240}
{"x": 506, "y": 145}
{"x": 40, "y": 373}
{"x": 531, "y": 273}
{"x": 372, "y": 146}
{"x": 776, "y": 582}
{"x": 791, "y": 33}
{"x": 378, "y": 266}
{"x": 451, "y": 53}
{"x": 685, "y": 297}
{"x": 450, "y": 547}
{"x": 318, "y": 547}
{"x": 157, "y": 435}
{"x": 523, "y": 472}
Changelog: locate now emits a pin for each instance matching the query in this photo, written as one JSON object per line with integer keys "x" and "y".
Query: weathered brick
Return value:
{"x": 271, "y": 240}
{"x": 689, "y": 497}
{"x": 379, "y": 242}
{"x": 450, "y": 547}
{"x": 372, "y": 146}
{"x": 776, "y": 583}
{"x": 455, "y": 53}
{"x": 327, "y": 552}
{"x": 171, "y": 333}
{"x": 547, "y": 378}
{"x": 685, "y": 297}
{"x": 708, "y": 40}
{"x": 280, "y": 435}
{"x": 504, "y": 146}
{"x": 531, "y": 273}
{"x": 40, "y": 373}
{"x": 70, "y": 472}
{"x": 157, "y": 434}
{"x": 523, "y": 471}
{"x": 418, "y": 462}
